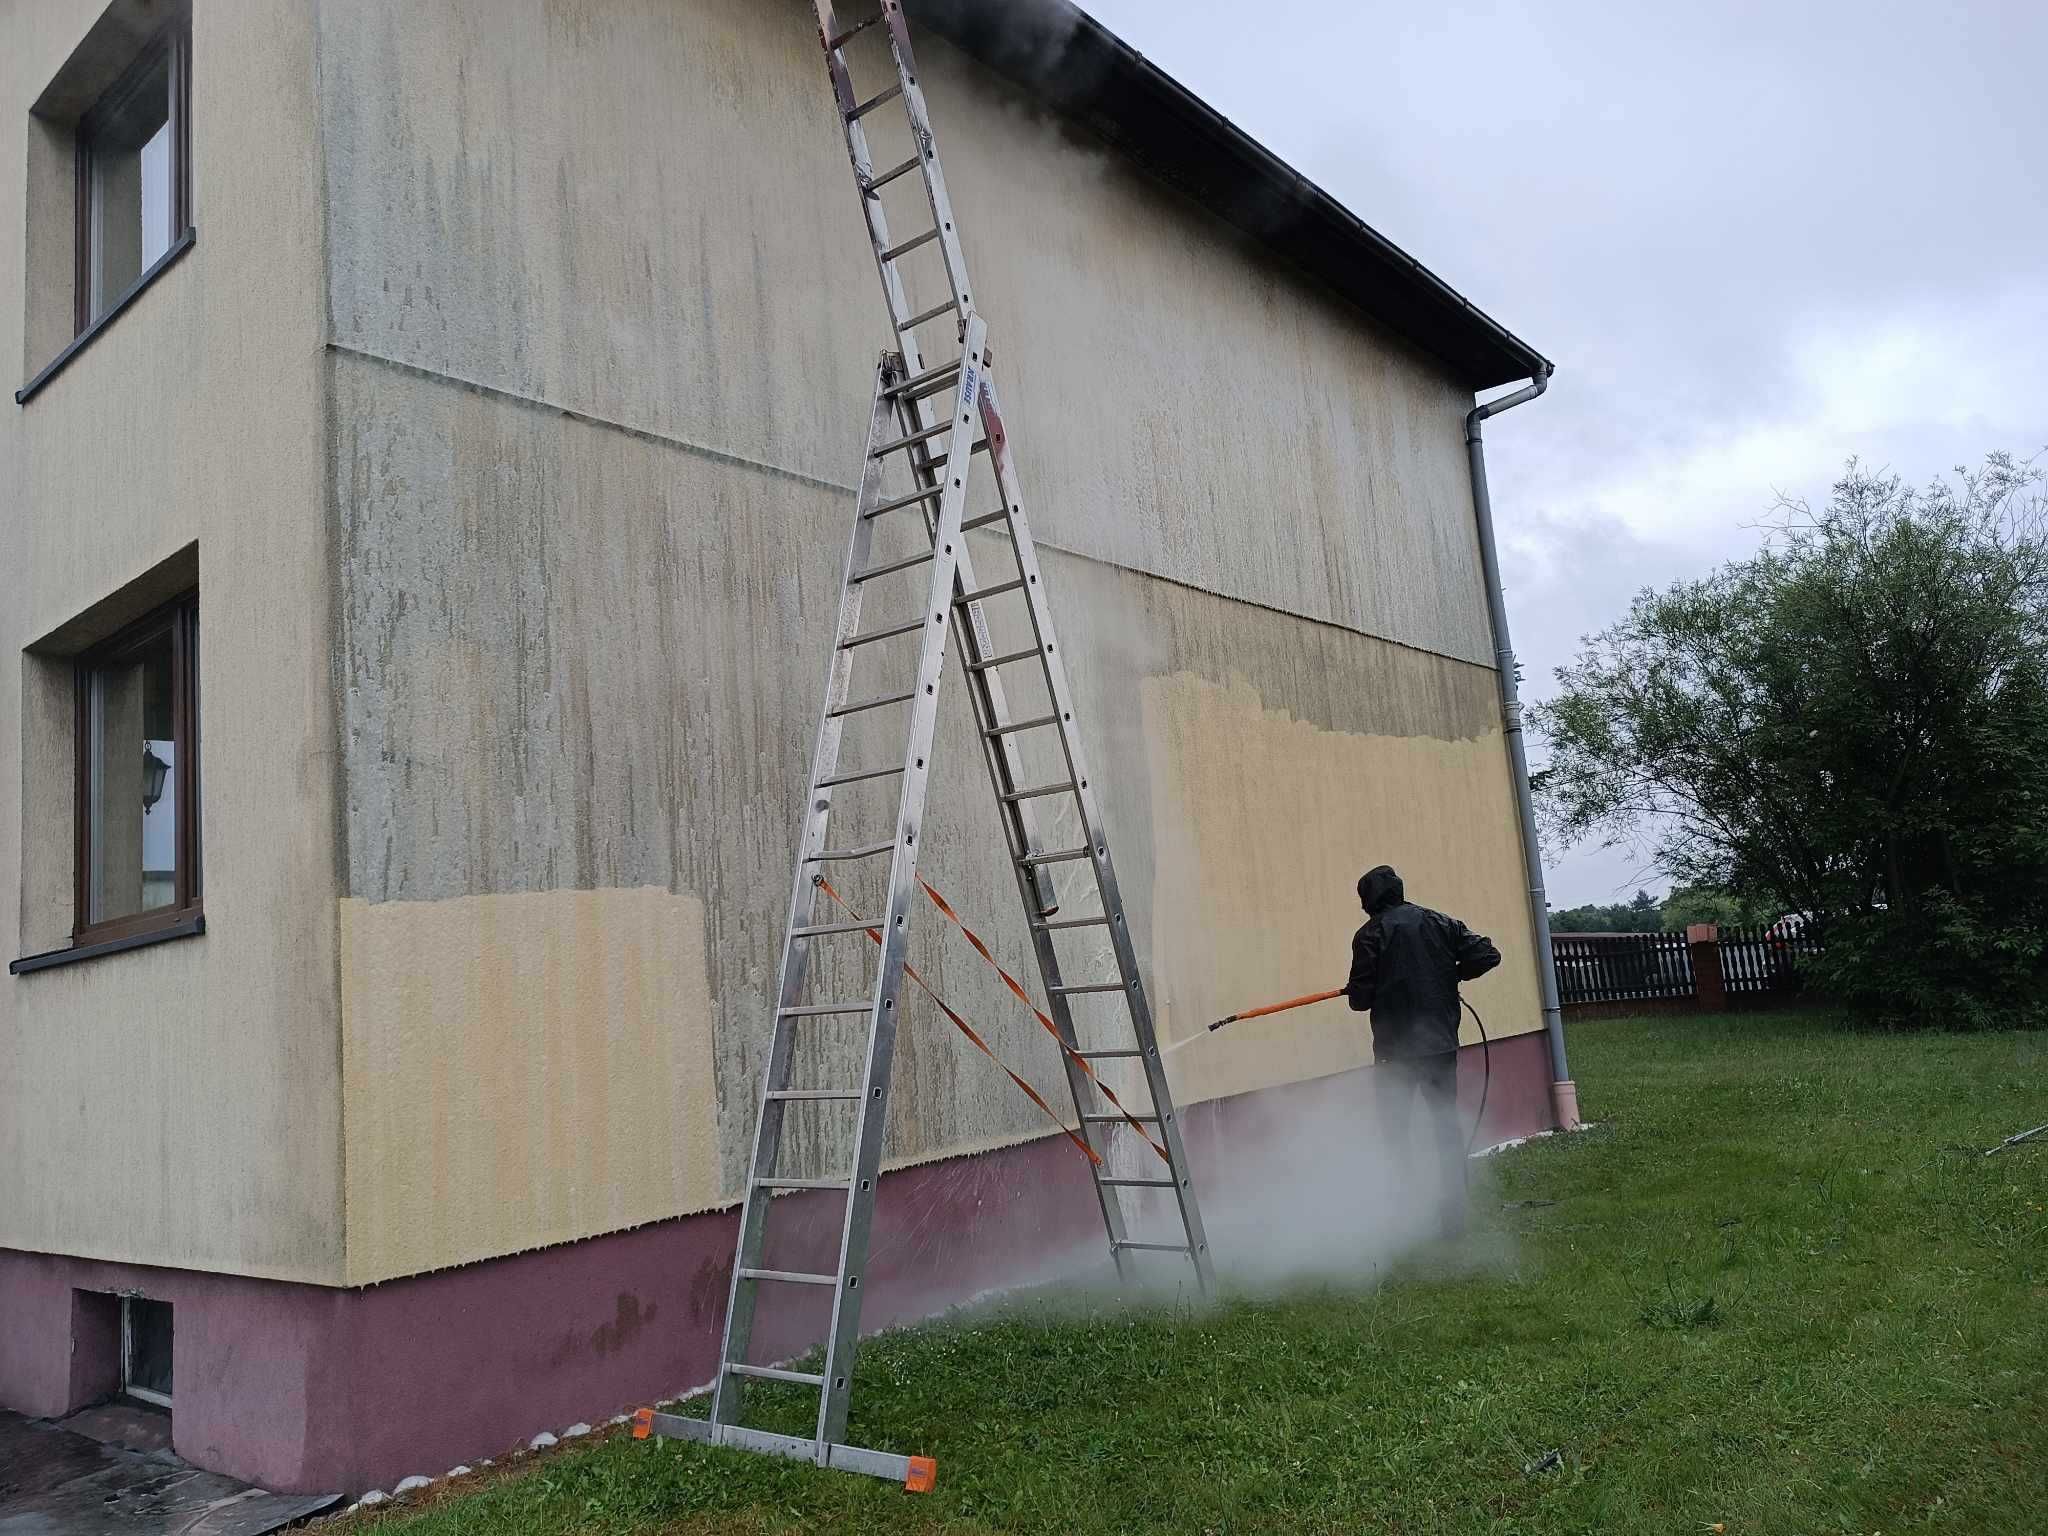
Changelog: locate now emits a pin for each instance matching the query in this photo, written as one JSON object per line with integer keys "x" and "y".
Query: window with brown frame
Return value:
{"x": 134, "y": 176}
{"x": 138, "y": 778}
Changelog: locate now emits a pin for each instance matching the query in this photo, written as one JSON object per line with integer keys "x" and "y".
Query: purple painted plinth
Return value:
{"x": 304, "y": 1388}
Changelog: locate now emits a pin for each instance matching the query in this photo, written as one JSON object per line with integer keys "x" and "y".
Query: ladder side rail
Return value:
{"x": 1043, "y": 945}
{"x": 1100, "y": 861}
{"x": 1035, "y": 891}
{"x": 1038, "y": 881}
{"x": 936, "y": 198}
{"x": 873, "y": 216}
{"x": 876, "y": 221}
{"x": 1020, "y": 823}
{"x": 884, "y": 1017}
{"x": 813, "y": 829}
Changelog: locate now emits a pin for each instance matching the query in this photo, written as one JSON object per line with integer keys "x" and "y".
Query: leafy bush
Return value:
{"x": 1855, "y": 722}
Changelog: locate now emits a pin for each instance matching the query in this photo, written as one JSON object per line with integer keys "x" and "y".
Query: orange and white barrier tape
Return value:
{"x": 967, "y": 1029}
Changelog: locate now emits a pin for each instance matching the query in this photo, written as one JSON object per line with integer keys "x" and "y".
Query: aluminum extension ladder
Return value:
{"x": 934, "y": 422}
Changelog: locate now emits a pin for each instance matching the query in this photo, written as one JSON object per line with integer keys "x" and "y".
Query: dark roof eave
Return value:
{"x": 1077, "y": 66}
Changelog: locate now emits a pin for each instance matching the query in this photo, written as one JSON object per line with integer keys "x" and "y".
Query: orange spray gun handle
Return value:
{"x": 1292, "y": 1002}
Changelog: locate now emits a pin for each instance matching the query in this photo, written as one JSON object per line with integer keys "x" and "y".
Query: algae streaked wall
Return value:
{"x": 180, "y": 1105}
{"x": 603, "y": 333}
{"x": 578, "y": 659}
{"x": 641, "y": 210}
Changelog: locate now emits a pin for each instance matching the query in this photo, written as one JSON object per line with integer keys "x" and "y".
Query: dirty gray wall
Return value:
{"x": 603, "y": 330}
{"x": 179, "y": 1104}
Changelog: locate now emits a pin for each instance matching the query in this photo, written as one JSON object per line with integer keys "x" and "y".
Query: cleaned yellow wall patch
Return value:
{"x": 520, "y": 1070}
{"x": 1262, "y": 824}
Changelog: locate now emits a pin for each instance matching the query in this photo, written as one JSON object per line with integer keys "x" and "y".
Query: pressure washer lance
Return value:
{"x": 1293, "y": 1002}
{"x": 1257, "y": 1013}
{"x": 1485, "y": 1045}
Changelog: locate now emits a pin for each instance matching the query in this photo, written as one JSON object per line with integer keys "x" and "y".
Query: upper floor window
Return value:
{"x": 138, "y": 767}
{"x": 109, "y": 180}
{"x": 132, "y": 176}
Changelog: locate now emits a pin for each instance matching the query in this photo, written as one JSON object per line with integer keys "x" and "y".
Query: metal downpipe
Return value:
{"x": 1564, "y": 1096}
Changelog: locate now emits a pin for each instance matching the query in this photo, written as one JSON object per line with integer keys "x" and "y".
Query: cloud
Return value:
{"x": 1757, "y": 239}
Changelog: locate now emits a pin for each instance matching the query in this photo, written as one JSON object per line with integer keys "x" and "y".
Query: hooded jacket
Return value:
{"x": 1406, "y": 963}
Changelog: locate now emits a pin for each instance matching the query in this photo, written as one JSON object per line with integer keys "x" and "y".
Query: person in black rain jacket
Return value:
{"x": 1406, "y": 963}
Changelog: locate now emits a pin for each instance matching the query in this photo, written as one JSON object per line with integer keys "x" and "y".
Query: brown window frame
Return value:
{"x": 180, "y": 617}
{"x": 176, "y": 40}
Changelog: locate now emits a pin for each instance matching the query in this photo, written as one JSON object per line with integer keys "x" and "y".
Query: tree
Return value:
{"x": 1689, "y": 904}
{"x": 1854, "y": 722}
{"x": 1640, "y": 915}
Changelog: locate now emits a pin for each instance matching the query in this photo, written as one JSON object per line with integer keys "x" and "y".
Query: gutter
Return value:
{"x": 1564, "y": 1094}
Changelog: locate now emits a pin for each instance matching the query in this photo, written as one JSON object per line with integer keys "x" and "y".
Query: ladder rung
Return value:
{"x": 1033, "y": 794}
{"x": 1022, "y": 725}
{"x": 921, "y": 383}
{"x": 912, "y": 441}
{"x": 981, "y": 594}
{"x": 947, "y": 308}
{"x": 1107, "y": 1055}
{"x": 911, "y": 244}
{"x": 1117, "y": 1119}
{"x": 876, "y": 100}
{"x": 1153, "y": 1247}
{"x": 788, "y": 1277}
{"x": 904, "y": 501}
{"x": 1137, "y": 1183}
{"x": 865, "y": 773}
{"x": 893, "y": 567}
{"x": 866, "y": 704}
{"x": 820, "y": 1010}
{"x": 1028, "y": 654}
{"x": 1064, "y": 856}
{"x": 802, "y": 1184}
{"x": 939, "y": 460}
{"x": 876, "y": 183}
{"x": 809, "y": 1095}
{"x": 835, "y": 855}
{"x": 987, "y": 519}
{"x": 852, "y": 32}
{"x": 775, "y": 1373}
{"x": 1071, "y": 922}
{"x": 817, "y": 930}
{"x": 1093, "y": 986}
{"x": 882, "y": 634}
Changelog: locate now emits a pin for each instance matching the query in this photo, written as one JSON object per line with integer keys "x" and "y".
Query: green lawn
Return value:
{"x": 1777, "y": 1290}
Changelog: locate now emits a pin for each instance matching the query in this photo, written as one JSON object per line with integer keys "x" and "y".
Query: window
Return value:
{"x": 146, "y": 1350}
{"x": 109, "y": 180}
{"x": 133, "y": 177}
{"x": 138, "y": 778}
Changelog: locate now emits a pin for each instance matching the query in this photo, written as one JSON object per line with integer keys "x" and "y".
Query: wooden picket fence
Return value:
{"x": 1709, "y": 968}
{"x": 1621, "y": 967}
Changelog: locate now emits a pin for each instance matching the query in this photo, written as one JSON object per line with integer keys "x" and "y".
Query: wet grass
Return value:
{"x": 1779, "y": 1289}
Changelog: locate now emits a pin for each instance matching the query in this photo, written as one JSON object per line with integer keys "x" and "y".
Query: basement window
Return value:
{"x": 146, "y": 1350}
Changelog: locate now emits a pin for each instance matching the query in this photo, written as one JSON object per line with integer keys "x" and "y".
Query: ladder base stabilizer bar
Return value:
{"x": 917, "y": 1474}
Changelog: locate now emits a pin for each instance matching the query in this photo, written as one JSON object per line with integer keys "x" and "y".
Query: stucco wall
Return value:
{"x": 603, "y": 338}
{"x": 579, "y": 663}
{"x": 642, "y": 210}
{"x": 599, "y": 334}
{"x": 180, "y": 1105}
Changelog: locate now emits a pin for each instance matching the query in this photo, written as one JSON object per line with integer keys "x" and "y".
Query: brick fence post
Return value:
{"x": 1708, "y": 985}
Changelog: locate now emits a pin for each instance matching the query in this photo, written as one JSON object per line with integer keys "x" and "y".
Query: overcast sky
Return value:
{"x": 1754, "y": 238}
